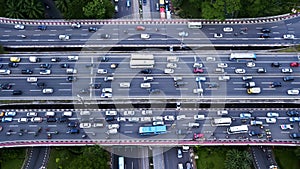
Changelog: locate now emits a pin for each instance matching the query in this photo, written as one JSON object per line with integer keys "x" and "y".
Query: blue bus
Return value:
{"x": 121, "y": 163}
{"x": 153, "y": 130}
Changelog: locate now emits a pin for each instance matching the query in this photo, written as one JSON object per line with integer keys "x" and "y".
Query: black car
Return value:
{"x": 1, "y": 65}
{"x": 62, "y": 119}
{"x": 275, "y": 64}
{"x": 178, "y": 84}
{"x": 17, "y": 92}
{"x": 55, "y": 59}
{"x": 26, "y": 71}
{"x": 13, "y": 64}
{"x": 45, "y": 65}
{"x": 146, "y": 71}
{"x": 292, "y": 113}
{"x": 72, "y": 124}
{"x": 41, "y": 84}
{"x": 288, "y": 78}
{"x": 92, "y": 29}
{"x": 71, "y": 78}
{"x": 276, "y": 84}
{"x": 104, "y": 59}
{"x": 64, "y": 65}
{"x": 51, "y": 119}
{"x": 265, "y": 30}
{"x": 213, "y": 85}
{"x": 6, "y": 86}
{"x": 95, "y": 85}
{"x": 265, "y": 35}
{"x": 109, "y": 118}
{"x": 295, "y": 135}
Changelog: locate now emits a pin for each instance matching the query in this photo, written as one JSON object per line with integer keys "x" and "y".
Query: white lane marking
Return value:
{"x": 13, "y": 126}
{"x": 269, "y": 88}
{"x": 295, "y": 82}
{"x": 266, "y": 82}
{"x": 128, "y": 125}
{"x": 126, "y": 132}
{"x": 64, "y": 89}
{"x": 50, "y": 40}
{"x": 35, "y": 90}
{"x": 182, "y": 88}
{"x": 274, "y": 26}
{"x": 84, "y": 34}
{"x": 53, "y": 30}
{"x": 52, "y": 34}
{"x": 65, "y": 83}
{"x": 239, "y": 89}
{"x": 276, "y": 33}
{"x": 35, "y": 40}
{"x": 36, "y": 34}
{"x": 5, "y": 35}
{"x": 32, "y": 125}
{"x": 52, "y": 125}
{"x": 238, "y": 82}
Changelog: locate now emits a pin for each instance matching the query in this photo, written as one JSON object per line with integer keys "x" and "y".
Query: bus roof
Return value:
{"x": 153, "y": 129}
{"x": 238, "y": 128}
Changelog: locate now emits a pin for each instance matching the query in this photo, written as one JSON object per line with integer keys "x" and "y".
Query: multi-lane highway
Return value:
{"x": 92, "y": 125}
{"x": 162, "y": 35}
{"x": 88, "y": 64}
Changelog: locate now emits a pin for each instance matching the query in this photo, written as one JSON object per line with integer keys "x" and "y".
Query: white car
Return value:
{"x": 75, "y": 25}
{"x": 45, "y": 72}
{"x": 288, "y": 36}
{"x": 146, "y": 119}
{"x": 73, "y": 58}
{"x": 169, "y": 118}
{"x": 199, "y": 65}
{"x": 119, "y": 119}
{"x": 158, "y": 118}
{"x": 183, "y": 34}
{"x": 63, "y": 37}
{"x": 145, "y": 85}
{"x": 240, "y": 71}
{"x": 102, "y": 71}
{"x": 111, "y": 113}
{"x": 158, "y": 123}
{"x": 222, "y": 65}
{"x": 224, "y": 78}
{"x": 106, "y": 95}
{"x": 199, "y": 117}
{"x": 271, "y": 120}
{"x": 272, "y": 114}
{"x": 23, "y": 120}
{"x": 180, "y": 117}
{"x": 169, "y": 71}
{"x": 148, "y": 78}
{"x": 125, "y": 84}
{"x": 210, "y": 59}
{"x": 171, "y": 65}
{"x": 107, "y": 90}
{"x": 19, "y": 27}
{"x": 218, "y": 35}
{"x": 31, "y": 114}
{"x": 47, "y": 91}
{"x": 293, "y": 92}
{"x": 133, "y": 119}
{"x": 85, "y": 125}
{"x": 32, "y": 79}
{"x": 145, "y": 36}
{"x": 147, "y": 112}
{"x": 129, "y": 113}
{"x": 228, "y": 29}
{"x": 287, "y": 126}
{"x": 113, "y": 126}
{"x": 286, "y": 70}
{"x": 250, "y": 64}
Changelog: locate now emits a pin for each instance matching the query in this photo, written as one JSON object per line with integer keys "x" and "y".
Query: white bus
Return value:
{"x": 237, "y": 129}
{"x": 142, "y": 64}
{"x": 121, "y": 163}
{"x": 236, "y": 56}
{"x": 194, "y": 25}
{"x": 221, "y": 121}
{"x": 141, "y": 57}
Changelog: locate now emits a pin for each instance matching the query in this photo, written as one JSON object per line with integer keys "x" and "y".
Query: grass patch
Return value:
{"x": 58, "y": 153}
{"x": 286, "y": 158}
{"x": 12, "y": 158}
{"x": 290, "y": 49}
{"x": 211, "y": 157}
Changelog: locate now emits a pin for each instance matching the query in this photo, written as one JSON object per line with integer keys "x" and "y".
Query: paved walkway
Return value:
{"x": 38, "y": 158}
{"x": 158, "y": 158}
{"x": 146, "y": 10}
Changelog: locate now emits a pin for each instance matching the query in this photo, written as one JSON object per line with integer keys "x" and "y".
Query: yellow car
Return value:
{"x": 15, "y": 59}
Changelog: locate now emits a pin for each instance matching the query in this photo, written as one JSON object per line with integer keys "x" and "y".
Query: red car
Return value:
{"x": 294, "y": 64}
{"x": 198, "y": 135}
{"x": 198, "y": 70}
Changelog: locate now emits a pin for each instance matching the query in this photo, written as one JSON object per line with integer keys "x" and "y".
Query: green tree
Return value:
{"x": 62, "y": 5}
{"x": 297, "y": 152}
{"x": 33, "y": 9}
{"x": 96, "y": 9}
{"x": 236, "y": 159}
{"x": 12, "y": 9}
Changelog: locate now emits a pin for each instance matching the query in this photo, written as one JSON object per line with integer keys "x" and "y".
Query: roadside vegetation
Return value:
{"x": 222, "y": 9}
{"x": 87, "y": 157}
{"x": 287, "y": 157}
{"x": 223, "y": 157}
{"x": 11, "y": 158}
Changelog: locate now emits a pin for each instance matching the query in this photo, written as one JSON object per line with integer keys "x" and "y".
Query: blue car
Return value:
{"x": 42, "y": 27}
{"x": 7, "y": 119}
{"x": 245, "y": 116}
